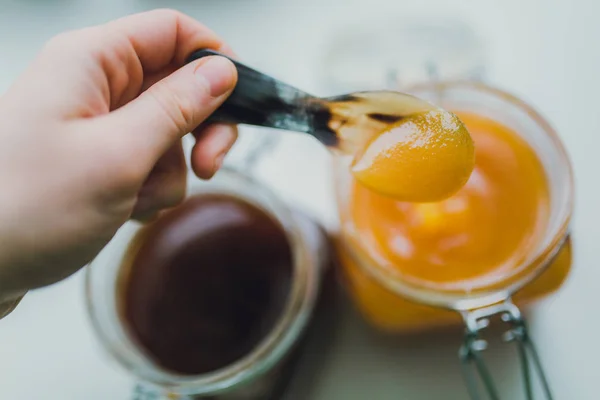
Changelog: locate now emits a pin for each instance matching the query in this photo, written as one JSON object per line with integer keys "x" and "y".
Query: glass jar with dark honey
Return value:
{"x": 213, "y": 298}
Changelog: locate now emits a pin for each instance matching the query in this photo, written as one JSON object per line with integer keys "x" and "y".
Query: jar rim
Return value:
{"x": 273, "y": 346}
{"x": 529, "y": 268}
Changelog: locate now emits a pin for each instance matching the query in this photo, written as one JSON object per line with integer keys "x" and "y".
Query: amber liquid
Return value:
{"x": 204, "y": 284}
{"x": 475, "y": 237}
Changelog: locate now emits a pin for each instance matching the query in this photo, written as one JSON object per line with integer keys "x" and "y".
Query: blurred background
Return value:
{"x": 545, "y": 52}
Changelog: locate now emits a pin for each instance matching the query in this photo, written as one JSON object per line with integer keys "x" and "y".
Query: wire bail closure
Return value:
{"x": 475, "y": 371}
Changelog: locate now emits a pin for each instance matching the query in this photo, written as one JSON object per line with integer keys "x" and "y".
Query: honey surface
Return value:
{"x": 473, "y": 237}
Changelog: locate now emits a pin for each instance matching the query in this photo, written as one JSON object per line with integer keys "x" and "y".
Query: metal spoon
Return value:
{"x": 343, "y": 122}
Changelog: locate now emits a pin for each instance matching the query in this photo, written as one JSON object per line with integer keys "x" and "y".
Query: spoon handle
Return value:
{"x": 261, "y": 100}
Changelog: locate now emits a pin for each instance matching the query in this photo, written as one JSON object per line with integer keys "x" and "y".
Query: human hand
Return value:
{"x": 90, "y": 136}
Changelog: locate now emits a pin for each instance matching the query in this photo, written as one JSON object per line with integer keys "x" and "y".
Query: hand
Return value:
{"x": 90, "y": 136}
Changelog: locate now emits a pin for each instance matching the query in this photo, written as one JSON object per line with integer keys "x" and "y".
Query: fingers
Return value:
{"x": 158, "y": 43}
{"x": 164, "y": 187}
{"x": 172, "y": 107}
{"x": 102, "y": 67}
{"x": 212, "y": 144}
{"x": 163, "y": 37}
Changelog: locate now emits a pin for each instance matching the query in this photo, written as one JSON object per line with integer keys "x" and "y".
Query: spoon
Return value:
{"x": 340, "y": 122}
{"x": 350, "y": 123}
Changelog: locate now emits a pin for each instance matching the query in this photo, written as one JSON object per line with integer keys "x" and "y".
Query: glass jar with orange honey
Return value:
{"x": 500, "y": 242}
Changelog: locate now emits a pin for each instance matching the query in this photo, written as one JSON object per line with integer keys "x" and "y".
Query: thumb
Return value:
{"x": 175, "y": 105}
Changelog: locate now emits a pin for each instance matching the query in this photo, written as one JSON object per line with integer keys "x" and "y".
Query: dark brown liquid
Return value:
{"x": 205, "y": 283}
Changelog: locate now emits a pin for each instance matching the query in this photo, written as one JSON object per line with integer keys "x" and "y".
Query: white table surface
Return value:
{"x": 547, "y": 52}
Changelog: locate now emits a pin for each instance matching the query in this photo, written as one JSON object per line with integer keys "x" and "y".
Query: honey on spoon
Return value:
{"x": 402, "y": 147}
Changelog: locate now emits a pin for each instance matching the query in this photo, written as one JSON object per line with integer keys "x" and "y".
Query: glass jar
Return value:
{"x": 482, "y": 100}
{"x": 259, "y": 373}
{"x": 394, "y": 303}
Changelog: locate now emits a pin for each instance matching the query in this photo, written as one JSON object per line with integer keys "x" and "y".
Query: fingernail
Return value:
{"x": 217, "y": 73}
{"x": 219, "y": 162}
{"x": 221, "y": 144}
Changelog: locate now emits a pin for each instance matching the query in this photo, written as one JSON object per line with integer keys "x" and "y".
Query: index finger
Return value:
{"x": 165, "y": 37}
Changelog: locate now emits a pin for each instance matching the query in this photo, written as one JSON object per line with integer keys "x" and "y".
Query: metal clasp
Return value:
{"x": 470, "y": 353}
